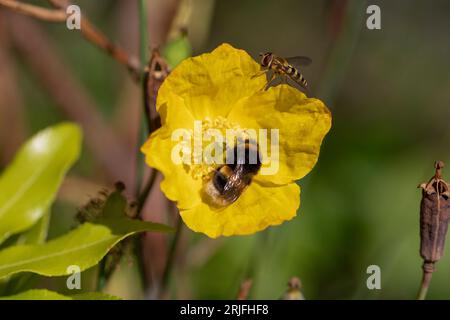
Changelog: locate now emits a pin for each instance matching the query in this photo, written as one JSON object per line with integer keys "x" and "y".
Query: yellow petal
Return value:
{"x": 256, "y": 209}
{"x": 302, "y": 122}
{"x": 178, "y": 184}
{"x": 210, "y": 84}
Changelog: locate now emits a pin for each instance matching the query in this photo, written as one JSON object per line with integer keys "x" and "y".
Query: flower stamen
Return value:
{"x": 230, "y": 132}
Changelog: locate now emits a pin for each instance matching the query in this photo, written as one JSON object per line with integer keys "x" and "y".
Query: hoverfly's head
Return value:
{"x": 266, "y": 59}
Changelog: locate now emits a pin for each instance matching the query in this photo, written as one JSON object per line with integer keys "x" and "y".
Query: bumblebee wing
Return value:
{"x": 299, "y": 61}
{"x": 235, "y": 186}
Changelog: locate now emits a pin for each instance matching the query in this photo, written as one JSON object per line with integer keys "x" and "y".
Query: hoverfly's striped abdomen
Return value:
{"x": 295, "y": 75}
{"x": 298, "y": 77}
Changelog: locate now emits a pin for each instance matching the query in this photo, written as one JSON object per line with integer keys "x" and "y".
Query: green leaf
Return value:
{"x": 84, "y": 247}
{"x": 115, "y": 206}
{"x": 43, "y": 294}
{"x": 94, "y": 296}
{"x": 29, "y": 184}
{"x": 37, "y": 234}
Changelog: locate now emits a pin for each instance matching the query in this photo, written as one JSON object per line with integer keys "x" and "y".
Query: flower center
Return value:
{"x": 217, "y": 135}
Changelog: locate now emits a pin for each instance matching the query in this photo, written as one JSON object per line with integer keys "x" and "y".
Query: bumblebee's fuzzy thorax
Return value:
{"x": 229, "y": 181}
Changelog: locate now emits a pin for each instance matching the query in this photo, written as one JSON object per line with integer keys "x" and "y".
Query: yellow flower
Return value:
{"x": 220, "y": 89}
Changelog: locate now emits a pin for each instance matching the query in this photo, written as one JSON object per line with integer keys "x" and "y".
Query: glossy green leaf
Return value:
{"x": 37, "y": 234}
{"x": 29, "y": 184}
{"x": 43, "y": 294}
{"x": 84, "y": 247}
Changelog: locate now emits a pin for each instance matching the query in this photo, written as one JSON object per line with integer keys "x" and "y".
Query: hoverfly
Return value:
{"x": 284, "y": 67}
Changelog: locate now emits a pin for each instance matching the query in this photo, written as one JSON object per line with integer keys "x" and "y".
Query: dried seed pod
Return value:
{"x": 434, "y": 216}
{"x": 155, "y": 73}
{"x": 434, "y": 219}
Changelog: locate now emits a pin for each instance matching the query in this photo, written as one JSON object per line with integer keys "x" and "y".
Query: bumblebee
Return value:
{"x": 229, "y": 181}
{"x": 287, "y": 68}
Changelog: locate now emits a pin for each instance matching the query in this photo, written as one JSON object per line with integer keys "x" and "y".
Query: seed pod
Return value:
{"x": 155, "y": 73}
{"x": 434, "y": 217}
{"x": 293, "y": 291}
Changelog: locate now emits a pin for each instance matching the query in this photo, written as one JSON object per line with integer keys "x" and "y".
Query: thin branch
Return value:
{"x": 92, "y": 34}
{"x": 95, "y": 36}
{"x": 170, "y": 258}
{"x": 71, "y": 98}
{"x": 35, "y": 11}
{"x": 88, "y": 30}
{"x": 142, "y": 18}
{"x": 146, "y": 190}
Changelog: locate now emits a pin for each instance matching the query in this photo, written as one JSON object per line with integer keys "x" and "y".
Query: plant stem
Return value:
{"x": 170, "y": 258}
{"x": 143, "y": 36}
{"x": 426, "y": 278}
{"x": 99, "y": 39}
{"x": 146, "y": 191}
{"x": 256, "y": 258}
{"x": 101, "y": 280}
{"x": 143, "y": 31}
{"x": 35, "y": 11}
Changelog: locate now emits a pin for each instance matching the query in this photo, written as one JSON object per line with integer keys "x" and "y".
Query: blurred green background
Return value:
{"x": 389, "y": 94}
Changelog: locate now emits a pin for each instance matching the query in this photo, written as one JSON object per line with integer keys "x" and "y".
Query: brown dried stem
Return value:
{"x": 95, "y": 36}
{"x": 71, "y": 98}
{"x": 92, "y": 34}
{"x": 35, "y": 11}
{"x": 88, "y": 30}
{"x": 154, "y": 75}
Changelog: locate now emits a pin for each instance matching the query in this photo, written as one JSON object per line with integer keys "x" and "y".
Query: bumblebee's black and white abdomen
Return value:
{"x": 229, "y": 181}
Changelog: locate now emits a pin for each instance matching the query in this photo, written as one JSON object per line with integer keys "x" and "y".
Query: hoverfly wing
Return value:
{"x": 299, "y": 61}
